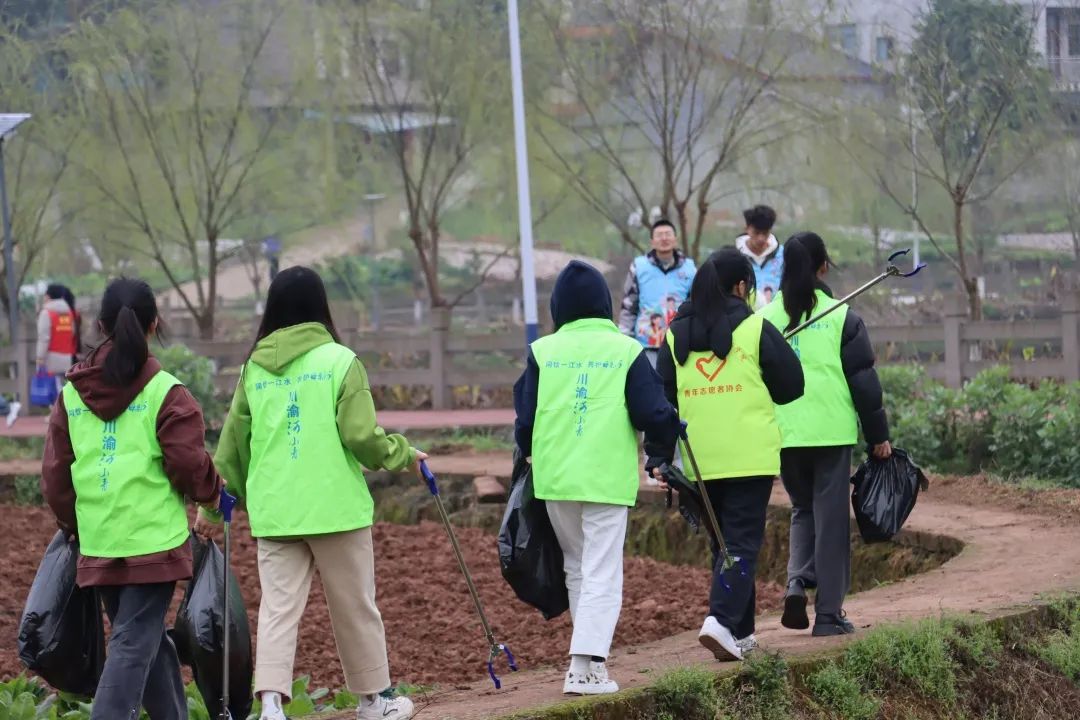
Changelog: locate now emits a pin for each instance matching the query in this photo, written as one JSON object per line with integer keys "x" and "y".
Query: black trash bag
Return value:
{"x": 62, "y": 634}
{"x": 199, "y": 633}
{"x": 884, "y": 494}
{"x": 529, "y": 552}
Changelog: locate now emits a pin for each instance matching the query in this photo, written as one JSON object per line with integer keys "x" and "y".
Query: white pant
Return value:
{"x": 591, "y": 536}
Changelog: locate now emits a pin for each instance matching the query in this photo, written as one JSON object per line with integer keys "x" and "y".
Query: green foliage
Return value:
{"x": 197, "y": 374}
{"x": 914, "y": 654}
{"x": 689, "y": 693}
{"x": 974, "y": 643}
{"x": 28, "y": 490}
{"x": 764, "y": 692}
{"x": 1061, "y": 648}
{"x": 840, "y": 691}
{"x": 991, "y": 423}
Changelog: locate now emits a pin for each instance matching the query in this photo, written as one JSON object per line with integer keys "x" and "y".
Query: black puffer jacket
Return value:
{"x": 781, "y": 370}
{"x": 857, "y": 359}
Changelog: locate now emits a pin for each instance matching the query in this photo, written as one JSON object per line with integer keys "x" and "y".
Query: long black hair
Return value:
{"x": 128, "y": 312}
{"x": 69, "y": 298}
{"x": 804, "y": 256}
{"x": 296, "y": 296}
{"x": 707, "y": 325}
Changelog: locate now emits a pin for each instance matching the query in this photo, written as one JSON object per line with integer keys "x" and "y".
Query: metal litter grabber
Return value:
{"x": 727, "y": 560}
{"x": 226, "y": 505}
{"x": 891, "y": 270}
{"x": 495, "y": 649}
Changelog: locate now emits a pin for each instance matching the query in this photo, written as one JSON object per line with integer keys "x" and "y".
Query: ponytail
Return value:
{"x": 804, "y": 255}
{"x": 128, "y": 312}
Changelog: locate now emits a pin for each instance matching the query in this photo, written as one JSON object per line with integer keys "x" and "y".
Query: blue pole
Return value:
{"x": 521, "y": 154}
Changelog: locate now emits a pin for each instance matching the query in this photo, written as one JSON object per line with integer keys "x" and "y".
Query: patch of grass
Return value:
{"x": 409, "y": 689}
{"x": 22, "y": 448}
{"x": 916, "y": 654}
{"x": 975, "y": 643}
{"x": 764, "y": 689}
{"x": 690, "y": 693}
{"x": 840, "y": 692}
{"x": 1061, "y": 649}
{"x": 28, "y": 490}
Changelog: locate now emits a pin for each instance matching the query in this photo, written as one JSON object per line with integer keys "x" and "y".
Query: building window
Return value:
{"x": 885, "y": 49}
{"x": 845, "y": 37}
{"x": 1074, "y": 39}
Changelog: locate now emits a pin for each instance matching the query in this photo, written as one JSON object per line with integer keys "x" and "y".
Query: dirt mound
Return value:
{"x": 432, "y": 630}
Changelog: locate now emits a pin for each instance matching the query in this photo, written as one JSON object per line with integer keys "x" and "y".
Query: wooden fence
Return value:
{"x": 438, "y": 358}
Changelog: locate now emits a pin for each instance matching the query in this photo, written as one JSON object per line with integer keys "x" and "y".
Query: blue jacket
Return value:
{"x": 652, "y": 295}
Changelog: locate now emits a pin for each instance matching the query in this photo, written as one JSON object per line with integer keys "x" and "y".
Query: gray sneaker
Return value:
{"x": 747, "y": 645}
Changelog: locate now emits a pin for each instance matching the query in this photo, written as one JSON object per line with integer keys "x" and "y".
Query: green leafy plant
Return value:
{"x": 197, "y": 374}
{"x": 915, "y": 654}
{"x": 839, "y": 691}
{"x": 689, "y": 693}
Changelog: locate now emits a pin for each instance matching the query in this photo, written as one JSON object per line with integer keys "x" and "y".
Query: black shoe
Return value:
{"x": 830, "y": 625}
{"x": 794, "y": 617}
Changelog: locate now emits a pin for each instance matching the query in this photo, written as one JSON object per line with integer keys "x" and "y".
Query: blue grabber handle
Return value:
{"x": 901, "y": 253}
{"x": 429, "y": 478}
{"x": 682, "y": 430}
{"x": 495, "y": 652}
{"x": 226, "y": 505}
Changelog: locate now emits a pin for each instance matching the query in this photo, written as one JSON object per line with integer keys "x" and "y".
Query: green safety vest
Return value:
{"x": 584, "y": 447}
{"x": 825, "y": 415}
{"x": 124, "y": 503}
{"x": 729, "y": 414}
{"x": 301, "y": 479}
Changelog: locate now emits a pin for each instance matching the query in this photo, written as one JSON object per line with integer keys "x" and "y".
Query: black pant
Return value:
{"x": 818, "y": 479}
{"x": 741, "y": 505}
{"x": 141, "y": 668}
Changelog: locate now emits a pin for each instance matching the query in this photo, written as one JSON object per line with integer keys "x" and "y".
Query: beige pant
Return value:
{"x": 346, "y": 566}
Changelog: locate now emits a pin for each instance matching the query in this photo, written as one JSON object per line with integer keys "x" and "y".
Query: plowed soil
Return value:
{"x": 432, "y": 630}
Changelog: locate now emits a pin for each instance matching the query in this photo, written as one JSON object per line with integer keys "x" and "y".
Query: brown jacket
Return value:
{"x": 180, "y": 432}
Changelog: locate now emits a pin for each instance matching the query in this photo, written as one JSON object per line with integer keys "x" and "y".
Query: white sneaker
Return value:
{"x": 384, "y": 708}
{"x": 719, "y": 640}
{"x": 747, "y": 645}
{"x": 13, "y": 412}
{"x": 272, "y": 712}
{"x": 594, "y": 682}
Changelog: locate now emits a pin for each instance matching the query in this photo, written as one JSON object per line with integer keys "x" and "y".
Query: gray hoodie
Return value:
{"x": 55, "y": 363}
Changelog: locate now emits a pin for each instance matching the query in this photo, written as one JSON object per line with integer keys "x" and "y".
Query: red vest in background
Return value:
{"x": 62, "y": 337}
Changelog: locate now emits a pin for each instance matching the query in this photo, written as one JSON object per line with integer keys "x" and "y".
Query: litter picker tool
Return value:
{"x": 891, "y": 270}
{"x": 495, "y": 648}
{"x": 727, "y": 560}
{"x": 226, "y": 505}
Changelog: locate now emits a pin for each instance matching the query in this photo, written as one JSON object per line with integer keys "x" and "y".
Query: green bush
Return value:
{"x": 197, "y": 374}
{"x": 914, "y": 654}
{"x": 838, "y": 691}
{"x": 991, "y": 424}
{"x": 28, "y": 490}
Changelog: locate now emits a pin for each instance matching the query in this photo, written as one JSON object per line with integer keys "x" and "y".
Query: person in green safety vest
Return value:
{"x": 726, "y": 370}
{"x": 301, "y": 427}
{"x": 584, "y": 392}
{"x": 819, "y": 430}
{"x": 124, "y": 448}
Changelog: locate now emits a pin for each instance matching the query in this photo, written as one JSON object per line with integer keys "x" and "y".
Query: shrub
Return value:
{"x": 28, "y": 490}
{"x": 842, "y": 693}
{"x": 197, "y": 374}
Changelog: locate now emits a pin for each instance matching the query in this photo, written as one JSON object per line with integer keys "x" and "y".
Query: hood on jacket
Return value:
{"x": 275, "y": 351}
{"x": 771, "y": 249}
{"x": 580, "y": 292}
{"x": 104, "y": 400}
{"x": 56, "y": 306}
{"x": 693, "y": 335}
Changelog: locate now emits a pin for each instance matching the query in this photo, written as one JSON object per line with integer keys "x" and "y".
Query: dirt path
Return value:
{"x": 1010, "y": 559}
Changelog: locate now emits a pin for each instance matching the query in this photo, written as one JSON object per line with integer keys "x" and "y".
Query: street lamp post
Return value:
{"x": 8, "y": 123}
{"x": 521, "y": 154}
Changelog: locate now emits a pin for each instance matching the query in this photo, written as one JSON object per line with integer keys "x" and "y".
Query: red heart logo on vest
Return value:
{"x": 704, "y": 367}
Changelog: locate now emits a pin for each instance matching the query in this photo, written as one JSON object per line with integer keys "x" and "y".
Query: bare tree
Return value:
{"x": 660, "y": 101}
{"x": 431, "y": 80}
{"x": 973, "y": 91}
{"x": 38, "y": 158}
{"x": 183, "y": 118}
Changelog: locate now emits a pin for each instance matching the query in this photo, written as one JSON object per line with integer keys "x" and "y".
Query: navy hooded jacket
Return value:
{"x": 581, "y": 292}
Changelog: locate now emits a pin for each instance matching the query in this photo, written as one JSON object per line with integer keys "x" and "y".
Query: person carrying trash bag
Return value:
{"x": 819, "y": 430}
{"x": 585, "y": 390}
{"x": 725, "y": 370}
{"x": 124, "y": 447}
{"x": 301, "y": 427}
